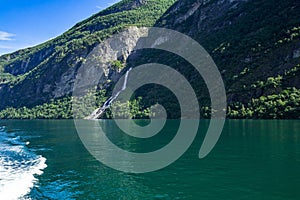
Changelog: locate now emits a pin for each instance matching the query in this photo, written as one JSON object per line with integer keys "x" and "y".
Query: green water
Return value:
{"x": 252, "y": 160}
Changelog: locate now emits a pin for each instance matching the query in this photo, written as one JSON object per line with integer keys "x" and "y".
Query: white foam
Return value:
{"x": 17, "y": 169}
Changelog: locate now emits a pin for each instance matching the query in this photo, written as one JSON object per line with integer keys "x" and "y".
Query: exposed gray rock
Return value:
{"x": 99, "y": 60}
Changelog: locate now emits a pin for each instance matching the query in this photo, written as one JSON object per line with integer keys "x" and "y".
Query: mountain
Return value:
{"x": 254, "y": 43}
{"x": 36, "y": 75}
{"x": 256, "y": 46}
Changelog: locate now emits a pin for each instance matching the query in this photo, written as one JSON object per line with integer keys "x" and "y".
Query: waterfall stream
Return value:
{"x": 99, "y": 111}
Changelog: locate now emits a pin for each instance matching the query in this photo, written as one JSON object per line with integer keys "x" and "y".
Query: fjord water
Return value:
{"x": 252, "y": 160}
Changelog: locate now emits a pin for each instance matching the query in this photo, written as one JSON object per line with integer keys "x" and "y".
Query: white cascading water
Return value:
{"x": 99, "y": 111}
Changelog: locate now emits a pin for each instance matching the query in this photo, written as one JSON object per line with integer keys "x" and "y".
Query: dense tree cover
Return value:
{"x": 63, "y": 109}
{"x": 285, "y": 105}
{"x": 120, "y": 110}
{"x": 56, "y": 109}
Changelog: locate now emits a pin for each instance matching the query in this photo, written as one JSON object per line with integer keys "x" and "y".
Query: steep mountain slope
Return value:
{"x": 255, "y": 44}
{"x": 36, "y": 75}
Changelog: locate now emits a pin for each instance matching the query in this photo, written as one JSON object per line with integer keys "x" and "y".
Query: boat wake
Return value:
{"x": 18, "y": 166}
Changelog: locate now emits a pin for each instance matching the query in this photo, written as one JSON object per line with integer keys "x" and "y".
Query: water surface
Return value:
{"x": 252, "y": 160}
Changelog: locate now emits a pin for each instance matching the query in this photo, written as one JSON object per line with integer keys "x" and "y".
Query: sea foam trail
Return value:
{"x": 18, "y": 167}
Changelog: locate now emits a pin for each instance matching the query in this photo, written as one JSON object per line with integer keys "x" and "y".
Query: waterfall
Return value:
{"x": 99, "y": 111}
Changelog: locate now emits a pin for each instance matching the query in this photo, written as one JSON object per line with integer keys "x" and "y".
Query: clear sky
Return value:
{"x": 25, "y": 23}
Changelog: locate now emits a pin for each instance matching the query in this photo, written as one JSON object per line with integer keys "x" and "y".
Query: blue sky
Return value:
{"x": 25, "y": 23}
